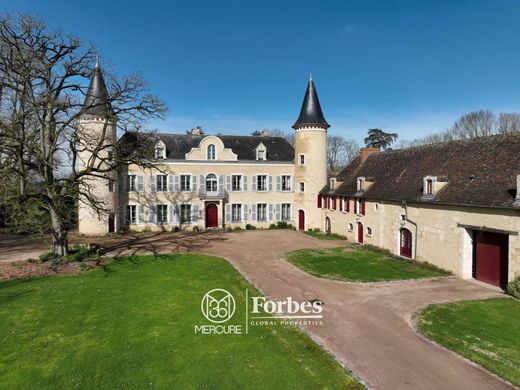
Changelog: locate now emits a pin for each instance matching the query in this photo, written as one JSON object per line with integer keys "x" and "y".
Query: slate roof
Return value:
{"x": 480, "y": 172}
{"x": 177, "y": 145}
{"x": 96, "y": 100}
{"x": 310, "y": 113}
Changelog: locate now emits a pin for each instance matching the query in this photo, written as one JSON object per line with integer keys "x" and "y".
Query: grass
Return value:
{"x": 132, "y": 326}
{"x": 359, "y": 264}
{"x": 324, "y": 236}
{"x": 484, "y": 331}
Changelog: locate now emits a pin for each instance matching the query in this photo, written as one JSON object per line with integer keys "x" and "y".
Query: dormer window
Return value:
{"x": 261, "y": 152}
{"x": 332, "y": 184}
{"x": 361, "y": 184}
{"x": 211, "y": 154}
{"x": 160, "y": 150}
{"x": 429, "y": 185}
{"x": 261, "y": 155}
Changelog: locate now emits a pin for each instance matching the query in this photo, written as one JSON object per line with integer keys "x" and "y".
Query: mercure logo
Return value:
{"x": 218, "y": 305}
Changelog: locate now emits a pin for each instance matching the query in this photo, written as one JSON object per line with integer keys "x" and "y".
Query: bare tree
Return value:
{"x": 45, "y": 74}
{"x": 508, "y": 123}
{"x": 475, "y": 124}
{"x": 280, "y": 133}
{"x": 340, "y": 151}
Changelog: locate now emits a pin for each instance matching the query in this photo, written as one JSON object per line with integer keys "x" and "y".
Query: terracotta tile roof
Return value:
{"x": 480, "y": 171}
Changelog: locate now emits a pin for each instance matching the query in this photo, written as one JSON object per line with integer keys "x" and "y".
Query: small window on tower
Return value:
{"x": 302, "y": 159}
{"x": 302, "y": 186}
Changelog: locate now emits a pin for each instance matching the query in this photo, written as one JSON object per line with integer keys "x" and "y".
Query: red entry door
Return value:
{"x": 111, "y": 223}
{"x": 406, "y": 243}
{"x": 211, "y": 216}
{"x": 301, "y": 220}
{"x": 491, "y": 263}
{"x": 360, "y": 232}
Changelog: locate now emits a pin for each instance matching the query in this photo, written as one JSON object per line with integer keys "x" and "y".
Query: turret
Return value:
{"x": 310, "y": 146}
{"x": 97, "y": 138}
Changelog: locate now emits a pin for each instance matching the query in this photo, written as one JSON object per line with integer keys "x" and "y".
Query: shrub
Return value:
{"x": 79, "y": 253}
{"x": 250, "y": 227}
{"x": 84, "y": 266}
{"x": 237, "y": 228}
{"x": 272, "y": 226}
{"x": 176, "y": 229}
{"x": 196, "y": 229}
{"x": 513, "y": 287}
{"x": 47, "y": 256}
{"x": 229, "y": 229}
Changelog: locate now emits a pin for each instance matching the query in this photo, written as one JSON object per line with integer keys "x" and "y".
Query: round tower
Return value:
{"x": 310, "y": 157}
{"x": 98, "y": 198}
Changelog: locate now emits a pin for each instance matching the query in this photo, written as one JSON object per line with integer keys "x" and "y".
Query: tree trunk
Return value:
{"x": 60, "y": 240}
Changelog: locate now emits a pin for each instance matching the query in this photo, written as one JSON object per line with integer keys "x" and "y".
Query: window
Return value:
{"x": 302, "y": 186}
{"x": 261, "y": 212}
{"x": 261, "y": 182}
{"x": 131, "y": 183}
{"x": 236, "y": 182}
{"x": 302, "y": 159}
{"x": 110, "y": 185}
{"x": 359, "y": 206}
{"x": 350, "y": 227}
{"x": 161, "y": 182}
{"x": 429, "y": 187}
{"x": 162, "y": 213}
{"x": 211, "y": 183}
{"x": 403, "y": 217}
{"x": 185, "y": 216}
{"x": 131, "y": 214}
{"x": 236, "y": 212}
{"x": 332, "y": 184}
{"x": 369, "y": 231}
{"x": 260, "y": 155}
{"x": 376, "y": 207}
{"x": 160, "y": 152}
{"x": 286, "y": 183}
{"x": 211, "y": 152}
{"x": 361, "y": 184}
{"x": 110, "y": 155}
{"x": 286, "y": 211}
{"x": 185, "y": 182}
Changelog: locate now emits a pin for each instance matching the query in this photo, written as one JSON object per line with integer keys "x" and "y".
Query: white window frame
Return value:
{"x": 266, "y": 186}
{"x": 300, "y": 186}
{"x": 288, "y": 212}
{"x": 266, "y": 212}
{"x": 332, "y": 184}
{"x": 131, "y": 180}
{"x": 160, "y": 150}
{"x": 182, "y": 208}
{"x": 241, "y": 187}
{"x": 157, "y": 189}
{"x": 213, "y": 154}
{"x": 161, "y": 221}
{"x": 290, "y": 183}
{"x": 129, "y": 221}
{"x": 238, "y": 206}
{"x": 300, "y": 159}
{"x": 361, "y": 183}
{"x": 189, "y": 175}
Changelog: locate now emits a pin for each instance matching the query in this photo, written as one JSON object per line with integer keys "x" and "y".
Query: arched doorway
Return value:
{"x": 211, "y": 215}
{"x": 360, "y": 233}
{"x": 111, "y": 223}
{"x": 211, "y": 184}
{"x": 327, "y": 225}
{"x": 301, "y": 220}
{"x": 405, "y": 243}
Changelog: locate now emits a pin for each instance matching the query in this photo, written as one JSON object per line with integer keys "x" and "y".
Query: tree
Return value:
{"x": 377, "y": 138}
{"x": 340, "y": 151}
{"x": 44, "y": 78}
{"x": 508, "y": 123}
{"x": 474, "y": 124}
{"x": 280, "y": 133}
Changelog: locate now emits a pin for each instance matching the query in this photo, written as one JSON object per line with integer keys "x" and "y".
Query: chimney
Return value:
{"x": 196, "y": 131}
{"x": 364, "y": 153}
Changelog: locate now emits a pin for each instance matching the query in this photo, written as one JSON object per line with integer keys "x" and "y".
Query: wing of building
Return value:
{"x": 455, "y": 205}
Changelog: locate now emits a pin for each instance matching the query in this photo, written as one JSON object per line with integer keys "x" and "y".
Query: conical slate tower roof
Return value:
{"x": 311, "y": 114}
{"x": 96, "y": 100}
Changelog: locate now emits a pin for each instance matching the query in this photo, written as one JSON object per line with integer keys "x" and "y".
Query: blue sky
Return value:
{"x": 410, "y": 67}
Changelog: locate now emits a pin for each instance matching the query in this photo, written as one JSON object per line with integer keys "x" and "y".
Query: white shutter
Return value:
{"x": 195, "y": 213}
{"x": 228, "y": 183}
{"x": 270, "y": 212}
{"x": 244, "y": 178}
{"x": 170, "y": 183}
{"x": 245, "y": 210}
{"x": 153, "y": 182}
{"x": 278, "y": 212}
{"x": 291, "y": 212}
{"x": 176, "y": 187}
{"x": 194, "y": 183}
{"x": 270, "y": 178}
{"x": 254, "y": 183}
{"x": 140, "y": 214}
{"x": 253, "y": 212}
{"x": 228, "y": 213}
{"x": 278, "y": 183}
{"x": 221, "y": 184}
{"x": 171, "y": 214}
{"x": 152, "y": 217}
{"x": 292, "y": 183}
{"x": 140, "y": 183}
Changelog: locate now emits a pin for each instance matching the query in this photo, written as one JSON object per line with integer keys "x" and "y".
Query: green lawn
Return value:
{"x": 132, "y": 327}
{"x": 323, "y": 236}
{"x": 357, "y": 263}
{"x": 484, "y": 331}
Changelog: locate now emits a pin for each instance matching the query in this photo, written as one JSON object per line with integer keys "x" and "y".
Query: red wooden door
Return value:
{"x": 301, "y": 220}
{"x": 406, "y": 243}
{"x": 212, "y": 216}
{"x": 491, "y": 258}
{"x": 360, "y": 232}
{"x": 111, "y": 223}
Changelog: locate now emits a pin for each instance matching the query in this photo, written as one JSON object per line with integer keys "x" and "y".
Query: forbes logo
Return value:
{"x": 218, "y": 305}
